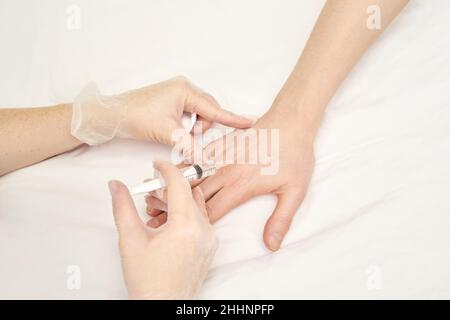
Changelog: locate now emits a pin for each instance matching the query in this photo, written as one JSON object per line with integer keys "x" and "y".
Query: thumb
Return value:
{"x": 129, "y": 224}
{"x": 279, "y": 222}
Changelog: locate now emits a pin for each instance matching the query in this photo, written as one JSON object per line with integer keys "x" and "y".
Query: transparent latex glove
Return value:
{"x": 151, "y": 113}
{"x": 236, "y": 183}
{"x": 169, "y": 262}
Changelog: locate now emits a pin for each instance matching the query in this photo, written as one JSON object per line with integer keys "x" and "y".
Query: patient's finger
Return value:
{"x": 195, "y": 183}
{"x": 226, "y": 199}
{"x": 160, "y": 194}
{"x": 129, "y": 224}
{"x": 212, "y": 185}
{"x": 158, "y": 221}
{"x": 223, "y": 150}
{"x": 156, "y": 203}
{"x": 201, "y": 125}
{"x": 279, "y": 222}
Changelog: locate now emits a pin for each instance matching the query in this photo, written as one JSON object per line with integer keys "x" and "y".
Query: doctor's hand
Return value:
{"x": 155, "y": 111}
{"x": 170, "y": 262}
{"x": 151, "y": 113}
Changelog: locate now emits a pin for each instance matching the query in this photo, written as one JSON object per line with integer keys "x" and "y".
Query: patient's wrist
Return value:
{"x": 299, "y": 112}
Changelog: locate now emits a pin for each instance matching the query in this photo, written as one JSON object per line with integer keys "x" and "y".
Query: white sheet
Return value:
{"x": 375, "y": 223}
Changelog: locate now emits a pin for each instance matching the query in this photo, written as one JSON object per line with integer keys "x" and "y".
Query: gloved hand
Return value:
{"x": 169, "y": 262}
{"x": 151, "y": 113}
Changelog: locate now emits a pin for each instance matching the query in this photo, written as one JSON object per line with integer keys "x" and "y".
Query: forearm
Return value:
{"x": 31, "y": 135}
{"x": 339, "y": 39}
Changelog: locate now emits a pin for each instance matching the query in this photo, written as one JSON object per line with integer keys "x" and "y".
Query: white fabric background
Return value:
{"x": 379, "y": 202}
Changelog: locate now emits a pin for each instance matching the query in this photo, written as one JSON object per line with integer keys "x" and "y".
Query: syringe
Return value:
{"x": 191, "y": 173}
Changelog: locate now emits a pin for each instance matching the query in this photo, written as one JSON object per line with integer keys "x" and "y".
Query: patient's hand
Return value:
{"x": 170, "y": 262}
{"x": 234, "y": 184}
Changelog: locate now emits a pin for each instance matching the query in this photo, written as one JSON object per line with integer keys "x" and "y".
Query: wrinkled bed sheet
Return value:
{"x": 376, "y": 220}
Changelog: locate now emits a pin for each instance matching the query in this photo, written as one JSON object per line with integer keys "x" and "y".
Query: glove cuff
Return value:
{"x": 96, "y": 118}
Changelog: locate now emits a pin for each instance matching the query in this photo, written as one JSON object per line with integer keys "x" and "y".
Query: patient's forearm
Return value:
{"x": 31, "y": 135}
{"x": 340, "y": 37}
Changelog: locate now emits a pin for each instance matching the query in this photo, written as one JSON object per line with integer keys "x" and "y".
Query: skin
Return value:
{"x": 180, "y": 252}
{"x": 31, "y": 135}
{"x": 169, "y": 262}
{"x": 339, "y": 39}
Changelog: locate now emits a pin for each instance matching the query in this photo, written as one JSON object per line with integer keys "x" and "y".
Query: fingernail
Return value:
{"x": 112, "y": 187}
{"x": 274, "y": 241}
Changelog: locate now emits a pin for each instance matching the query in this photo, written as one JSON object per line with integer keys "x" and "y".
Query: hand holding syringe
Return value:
{"x": 191, "y": 173}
